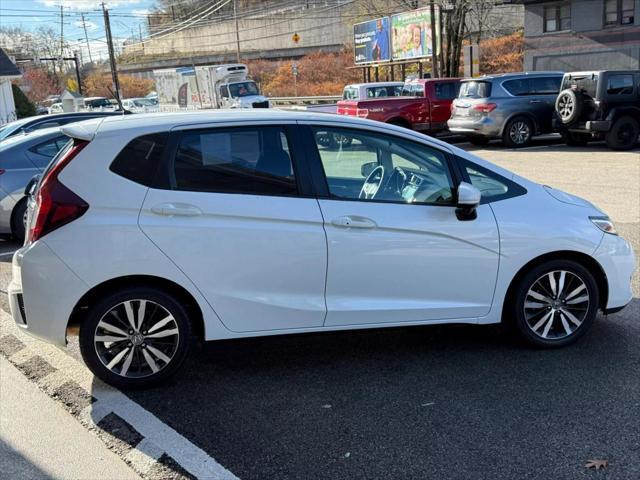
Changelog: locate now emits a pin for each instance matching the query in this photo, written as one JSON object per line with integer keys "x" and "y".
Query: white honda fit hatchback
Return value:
{"x": 151, "y": 231}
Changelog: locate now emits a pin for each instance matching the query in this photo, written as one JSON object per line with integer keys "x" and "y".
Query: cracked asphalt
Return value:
{"x": 442, "y": 402}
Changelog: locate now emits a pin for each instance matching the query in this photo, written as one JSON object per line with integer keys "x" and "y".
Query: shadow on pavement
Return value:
{"x": 442, "y": 402}
{"x": 14, "y": 465}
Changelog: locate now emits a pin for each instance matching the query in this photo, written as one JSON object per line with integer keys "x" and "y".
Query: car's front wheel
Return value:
{"x": 555, "y": 303}
{"x": 136, "y": 337}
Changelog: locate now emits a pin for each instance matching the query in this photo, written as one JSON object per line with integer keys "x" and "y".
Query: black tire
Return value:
{"x": 18, "y": 220}
{"x": 569, "y": 106}
{"x": 623, "y": 134}
{"x": 525, "y": 320}
{"x": 518, "y": 132}
{"x": 575, "y": 139}
{"x": 89, "y": 347}
{"x": 479, "y": 141}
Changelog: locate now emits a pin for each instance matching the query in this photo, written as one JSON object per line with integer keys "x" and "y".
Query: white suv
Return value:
{"x": 153, "y": 231}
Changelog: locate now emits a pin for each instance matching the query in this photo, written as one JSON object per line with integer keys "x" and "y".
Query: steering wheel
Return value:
{"x": 400, "y": 180}
{"x": 372, "y": 183}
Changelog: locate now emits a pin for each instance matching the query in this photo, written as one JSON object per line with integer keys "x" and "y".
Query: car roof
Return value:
{"x": 30, "y": 137}
{"x": 146, "y": 123}
{"x": 598, "y": 72}
{"x": 501, "y": 76}
{"x": 374, "y": 84}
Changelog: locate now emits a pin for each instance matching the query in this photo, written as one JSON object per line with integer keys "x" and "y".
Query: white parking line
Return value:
{"x": 6, "y": 254}
{"x": 94, "y": 404}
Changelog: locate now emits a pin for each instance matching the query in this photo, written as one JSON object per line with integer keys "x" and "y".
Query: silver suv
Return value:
{"x": 510, "y": 106}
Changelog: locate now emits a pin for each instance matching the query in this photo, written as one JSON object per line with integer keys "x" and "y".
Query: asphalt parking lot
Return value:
{"x": 444, "y": 402}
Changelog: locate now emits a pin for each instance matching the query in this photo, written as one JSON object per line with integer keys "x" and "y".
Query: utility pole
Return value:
{"x": 61, "y": 39}
{"x": 112, "y": 57}
{"x": 235, "y": 17}
{"x": 86, "y": 37}
{"x": 75, "y": 56}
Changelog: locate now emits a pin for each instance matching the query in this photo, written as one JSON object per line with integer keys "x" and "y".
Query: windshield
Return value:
{"x": 475, "y": 89}
{"x": 243, "y": 89}
{"x": 585, "y": 83}
{"x": 143, "y": 102}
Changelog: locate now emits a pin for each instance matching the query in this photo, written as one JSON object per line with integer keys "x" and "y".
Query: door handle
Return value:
{"x": 353, "y": 221}
{"x": 435, "y": 106}
{"x": 535, "y": 101}
{"x": 178, "y": 209}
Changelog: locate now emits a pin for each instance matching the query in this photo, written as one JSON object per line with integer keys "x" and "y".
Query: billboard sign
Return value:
{"x": 371, "y": 41}
{"x": 411, "y": 34}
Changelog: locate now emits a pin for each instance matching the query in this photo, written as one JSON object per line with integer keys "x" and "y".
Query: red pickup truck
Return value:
{"x": 425, "y": 105}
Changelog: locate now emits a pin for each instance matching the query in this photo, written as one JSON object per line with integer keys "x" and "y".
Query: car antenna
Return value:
{"x": 117, "y": 99}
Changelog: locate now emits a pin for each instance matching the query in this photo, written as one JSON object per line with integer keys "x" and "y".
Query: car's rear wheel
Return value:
{"x": 555, "y": 303}
{"x": 19, "y": 220}
{"x": 518, "y": 132}
{"x": 623, "y": 134}
{"x": 135, "y": 338}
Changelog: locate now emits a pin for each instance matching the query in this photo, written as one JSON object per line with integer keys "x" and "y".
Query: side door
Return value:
{"x": 233, "y": 216}
{"x": 397, "y": 251}
{"x": 543, "y": 94}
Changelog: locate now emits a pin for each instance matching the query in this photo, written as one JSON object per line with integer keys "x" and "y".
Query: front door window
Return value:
{"x": 361, "y": 165}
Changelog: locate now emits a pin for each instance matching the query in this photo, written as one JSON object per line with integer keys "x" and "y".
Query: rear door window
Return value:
{"x": 545, "y": 85}
{"x": 620, "y": 84}
{"x": 251, "y": 160}
{"x": 518, "y": 87}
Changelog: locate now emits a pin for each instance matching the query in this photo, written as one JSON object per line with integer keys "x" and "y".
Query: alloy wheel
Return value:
{"x": 565, "y": 106}
{"x": 519, "y": 132}
{"x": 556, "y": 305}
{"x": 136, "y": 338}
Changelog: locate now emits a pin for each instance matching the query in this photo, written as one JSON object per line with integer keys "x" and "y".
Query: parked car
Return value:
{"x": 55, "y": 108}
{"x": 29, "y": 124}
{"x": 140, "y": 105}
{"x": 99, "y": 103}
{"x": 512, "y": 106}
{"x": 425, "y": 105}
{"x": 600, "y": 105}
{"x": 22, "y": 157}
{"x": 146, "y": 233}
{"x": 362, "y": 91}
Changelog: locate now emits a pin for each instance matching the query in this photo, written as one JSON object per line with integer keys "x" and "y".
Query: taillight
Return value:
{"x": 362, "y": 112}
{"x": 55, "y": 204}
{"x": 485, "y": 107}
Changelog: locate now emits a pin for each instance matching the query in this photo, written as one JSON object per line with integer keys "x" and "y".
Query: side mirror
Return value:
{"x": 467, "y": 202}
{"x": 367, "y": 168}
{"x": 31, "y": 186}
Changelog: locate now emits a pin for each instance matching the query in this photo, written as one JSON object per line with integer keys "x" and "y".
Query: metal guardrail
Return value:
{"x": 317, "y": 100}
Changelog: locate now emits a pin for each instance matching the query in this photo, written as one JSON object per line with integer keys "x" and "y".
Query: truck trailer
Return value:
{"x": 208, "y": 86}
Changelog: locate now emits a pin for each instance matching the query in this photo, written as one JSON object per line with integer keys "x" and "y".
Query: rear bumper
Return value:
{"x": 484, "y": 126}
{"x": 43, "y": 292}
{"x": 592, "y": 126}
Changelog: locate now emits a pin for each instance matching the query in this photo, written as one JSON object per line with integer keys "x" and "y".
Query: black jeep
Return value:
{"x": 599, "y": 105}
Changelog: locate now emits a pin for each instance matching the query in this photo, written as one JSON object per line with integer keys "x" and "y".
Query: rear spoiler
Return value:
{"x": 85, "y": 130}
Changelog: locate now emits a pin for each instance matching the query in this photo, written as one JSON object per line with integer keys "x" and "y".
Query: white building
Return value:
{"x": 8, "y": 72}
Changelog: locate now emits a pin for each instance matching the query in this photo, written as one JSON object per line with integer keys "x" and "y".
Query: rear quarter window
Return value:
{"x": 139, "y": 160}
{"x": 620, "y": 84}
